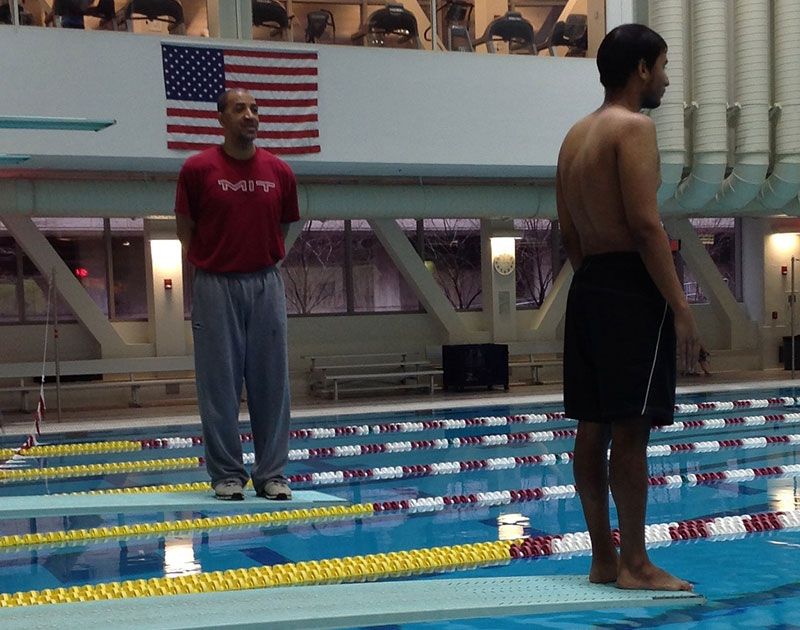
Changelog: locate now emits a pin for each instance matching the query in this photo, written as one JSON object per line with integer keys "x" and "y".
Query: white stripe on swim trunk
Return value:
{"x": 655, "y": 357}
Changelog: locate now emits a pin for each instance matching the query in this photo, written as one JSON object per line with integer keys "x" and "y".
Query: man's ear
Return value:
{"x": 642, "y": 69}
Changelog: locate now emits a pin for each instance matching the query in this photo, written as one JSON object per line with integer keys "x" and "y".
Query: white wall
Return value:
{"x": 778, "y": 252}
{"x": 382, "y": 111}
{"x": 24, "y": 343}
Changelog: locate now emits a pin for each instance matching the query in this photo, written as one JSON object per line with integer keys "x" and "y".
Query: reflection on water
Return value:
{"x": 513, "y": 526}
{"x": 179, "y": 557}
{"x": 783, "y": 495}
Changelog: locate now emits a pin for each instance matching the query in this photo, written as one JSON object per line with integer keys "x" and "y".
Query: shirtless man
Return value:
{"x": 626, "y": 308}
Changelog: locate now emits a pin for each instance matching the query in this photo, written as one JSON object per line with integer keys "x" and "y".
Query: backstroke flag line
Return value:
{"x": 38, "y": 416}
{"x": 283, "y": 83}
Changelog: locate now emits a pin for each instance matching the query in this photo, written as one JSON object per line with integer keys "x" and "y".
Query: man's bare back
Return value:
{"x": 589, "y": 178}
{"x": 606, "y": 190}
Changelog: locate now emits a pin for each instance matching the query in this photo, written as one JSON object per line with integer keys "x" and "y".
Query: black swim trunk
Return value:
{"x": 619, "y": 343}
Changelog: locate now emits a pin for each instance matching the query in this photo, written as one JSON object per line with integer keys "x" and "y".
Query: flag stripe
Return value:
{"x": 213, "y": 140}
{"x": 294, "y": 62}
{"x": 197, "y": 146}
{"x": 175, "y": 114}
{"x": 191, "y": 129}
{"x": 251, "y": 77}
{"x": 261, "y": 102}
{"x": 244, "y": 69}
{"x": 262, "y": 54}
{"x": 206, "y": 125}
{"x": 260, "y": 89}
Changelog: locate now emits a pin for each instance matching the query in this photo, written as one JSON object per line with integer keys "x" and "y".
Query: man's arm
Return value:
{"x": 569, "y": 234}
{"x": 185, "y": 230}
{"x": 639, "y": 174}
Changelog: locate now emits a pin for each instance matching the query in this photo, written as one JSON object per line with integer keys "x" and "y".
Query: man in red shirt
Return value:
{"x": 233, "y": 206}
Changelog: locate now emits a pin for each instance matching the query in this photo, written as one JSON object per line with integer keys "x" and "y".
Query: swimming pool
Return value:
{"x": 444, "y": 478}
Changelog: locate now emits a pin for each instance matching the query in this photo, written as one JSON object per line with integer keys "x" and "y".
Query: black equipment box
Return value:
{"x": 475, "y": 365}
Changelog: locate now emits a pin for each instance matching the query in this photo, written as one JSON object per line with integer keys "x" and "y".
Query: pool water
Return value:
{"x": 751, "y": 580}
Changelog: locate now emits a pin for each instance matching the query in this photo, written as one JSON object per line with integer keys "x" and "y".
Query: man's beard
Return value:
{"x": 650, "y": 101}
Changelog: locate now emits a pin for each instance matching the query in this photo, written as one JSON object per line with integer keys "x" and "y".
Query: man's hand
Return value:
{"x": 688, "y": 339}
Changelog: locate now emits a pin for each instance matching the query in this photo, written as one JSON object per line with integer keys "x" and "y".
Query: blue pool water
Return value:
{"x": 751, "y": 581}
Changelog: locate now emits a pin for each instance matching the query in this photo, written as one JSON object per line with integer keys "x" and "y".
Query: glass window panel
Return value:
{"x": 9, "y": 305}
{"x": 130, "y": 289}
{"x": 719, "y": 237}
{"x": 378, "y": 286}
{"x": 538, "y": 260}
{"x": 313, "y": 270}
{"x": 128, "y": 258}
{"x": 85, "y": 256}
{"x": 453, "y": 254}
{"x": 35, "y": 294}
{"x": 79, "y": 243}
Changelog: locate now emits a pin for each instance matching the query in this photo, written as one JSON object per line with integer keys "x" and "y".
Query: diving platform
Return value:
{"x": 40, "y": 505}
{"x": 345, "y": 605}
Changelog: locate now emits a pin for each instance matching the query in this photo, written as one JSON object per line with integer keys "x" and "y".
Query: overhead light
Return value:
{"x": 51, "y": 122}
{"x": 13, "y": 159}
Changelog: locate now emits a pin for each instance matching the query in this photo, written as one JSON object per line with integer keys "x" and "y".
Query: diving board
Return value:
{"x": 344, "y": 605}
{"x": 33, "y": 506}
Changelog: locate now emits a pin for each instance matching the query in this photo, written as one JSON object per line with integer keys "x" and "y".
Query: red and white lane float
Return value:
{"x": 317, "y": 433}
{"x": 719, "y": 528}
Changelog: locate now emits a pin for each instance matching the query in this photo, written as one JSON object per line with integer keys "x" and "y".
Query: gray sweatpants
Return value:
{"x": 239, "y": 329}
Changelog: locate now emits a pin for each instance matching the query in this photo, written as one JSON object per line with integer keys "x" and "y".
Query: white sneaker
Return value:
{"x": 276, "y": 489}
{"x": 229, "y": 490}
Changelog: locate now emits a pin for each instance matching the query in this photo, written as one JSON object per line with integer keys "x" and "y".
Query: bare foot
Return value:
{"x": 650, "y": 577}
{"x": 603, "y": 572}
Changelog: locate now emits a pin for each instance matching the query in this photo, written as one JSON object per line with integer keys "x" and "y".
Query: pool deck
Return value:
{"x": 304, "y": 407}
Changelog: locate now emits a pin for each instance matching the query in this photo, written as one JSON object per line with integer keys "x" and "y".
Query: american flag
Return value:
{"x": 284, "y": 85}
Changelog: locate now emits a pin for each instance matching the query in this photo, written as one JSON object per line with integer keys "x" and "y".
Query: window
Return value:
{"x": 105, "y": 255}
{"x": 313, "y": 271}
{"x": 172, "y": 17}
{"x": 378, "y": 286}
{"x": 539, "y": 260}
{"x": 559, "y": 27}
{"x": 127, "y": 270}
{"x": 720, "y": 237}
{"x": 452, "y": 252}
{"x": 9, "y": 281}
{"x": 341, "y": 267}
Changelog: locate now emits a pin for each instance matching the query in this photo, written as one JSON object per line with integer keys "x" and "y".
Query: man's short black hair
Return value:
{"x": 622, "y": 50}
{"x": 222, "y": 101}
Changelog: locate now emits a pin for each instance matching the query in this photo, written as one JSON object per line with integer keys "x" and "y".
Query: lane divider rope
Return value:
{"x": 350, "y": 450}
{"x": 399, "y": 472}
{"x": 360, "y": 510}
{"x": 388, "y": 427}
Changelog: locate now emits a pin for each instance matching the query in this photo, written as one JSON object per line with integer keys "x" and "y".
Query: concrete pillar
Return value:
{"x": 420, "y": 279}
{"x": 499, "y": 278}
{"x": 623, "y": 12}
{"x": 164, "y": 264}
{"x": 230, "y": 19}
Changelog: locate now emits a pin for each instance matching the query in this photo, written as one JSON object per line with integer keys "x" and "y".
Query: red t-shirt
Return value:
{"x": 238, "y": 207}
